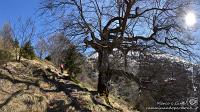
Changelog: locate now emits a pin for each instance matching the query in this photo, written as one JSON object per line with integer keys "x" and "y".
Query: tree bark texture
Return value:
{"x": 104, "y": 73}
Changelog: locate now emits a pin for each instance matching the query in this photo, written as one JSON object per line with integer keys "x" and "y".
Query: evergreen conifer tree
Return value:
{"x": 72, "y": 60}
{"x": 28, "y": 51}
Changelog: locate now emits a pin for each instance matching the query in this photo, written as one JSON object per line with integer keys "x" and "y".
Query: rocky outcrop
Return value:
{"x": 159, "y": 79}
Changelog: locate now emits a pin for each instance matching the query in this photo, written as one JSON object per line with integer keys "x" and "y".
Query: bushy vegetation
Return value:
{"x": 4, "y": 56}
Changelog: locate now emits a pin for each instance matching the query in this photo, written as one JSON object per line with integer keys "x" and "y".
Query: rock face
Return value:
{"x": 168, "y": 82}
{"x": 164, "y": 81}
{"x": 37, "y": 86}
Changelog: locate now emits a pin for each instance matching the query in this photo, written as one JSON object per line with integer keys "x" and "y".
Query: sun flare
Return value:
{"x": 190, "y": 19}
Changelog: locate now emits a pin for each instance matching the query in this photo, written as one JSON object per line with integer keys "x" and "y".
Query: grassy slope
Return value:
{"x": 36, "y": 86}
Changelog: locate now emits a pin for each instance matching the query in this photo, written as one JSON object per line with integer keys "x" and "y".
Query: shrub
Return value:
{"x": 4, "y": 56}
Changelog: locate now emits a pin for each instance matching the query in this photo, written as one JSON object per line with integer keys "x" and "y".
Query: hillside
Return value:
{"x": 37, "y": 86}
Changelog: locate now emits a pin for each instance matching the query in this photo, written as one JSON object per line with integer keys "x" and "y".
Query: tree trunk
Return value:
{"x": 20, "y": 54}
{"x": 104, "y": 76}
{"x": 16, "y": 53}
{"x": 125, "y": 62}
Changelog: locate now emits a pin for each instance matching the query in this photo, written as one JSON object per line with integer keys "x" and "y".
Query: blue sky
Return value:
{"x": 11, "y": 10}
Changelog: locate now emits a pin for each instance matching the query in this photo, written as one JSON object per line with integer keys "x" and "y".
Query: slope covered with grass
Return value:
{"x": 37, "y": 86}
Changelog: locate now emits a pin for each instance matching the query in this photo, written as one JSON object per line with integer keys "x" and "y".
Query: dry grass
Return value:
{"x": 22, "y": 90}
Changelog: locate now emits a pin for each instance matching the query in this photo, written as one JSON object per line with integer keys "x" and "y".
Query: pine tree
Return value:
{"x": 16, "y": 43}
{"x": 73, "y": 60}
{"x": 28, "y": 51}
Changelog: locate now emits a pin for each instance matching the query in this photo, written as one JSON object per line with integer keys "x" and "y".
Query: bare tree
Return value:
{"x": 128, "y": 25}
{"x": 7, "y": 36}
{"x": 56, "y": 44}
{"x": 41, "y": 47}
{"x": 24, "y": 32}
